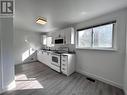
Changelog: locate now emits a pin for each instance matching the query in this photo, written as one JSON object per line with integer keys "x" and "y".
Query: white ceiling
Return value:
{"x": 60, "y": 13}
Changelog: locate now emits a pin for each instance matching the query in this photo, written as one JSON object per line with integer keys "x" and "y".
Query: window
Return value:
{"x": 100, "y": 36}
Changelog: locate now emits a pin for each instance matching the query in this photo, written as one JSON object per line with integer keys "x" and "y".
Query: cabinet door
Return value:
{"x": 54, "y": 35}
{"x": 48, "y": 59}
{"x": 43, "y": 39}
{"x": 64, "y": 64}
{"x": 39, "y": 56}
{"x": 44, "y": 57}
{"x": 49, "y": 41}
{"x": 69, "y": 36}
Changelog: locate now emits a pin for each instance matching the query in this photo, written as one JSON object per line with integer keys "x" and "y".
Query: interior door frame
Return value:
{"x": 1, "y": 68}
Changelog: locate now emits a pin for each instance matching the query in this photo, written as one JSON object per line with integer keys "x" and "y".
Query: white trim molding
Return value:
{"x": 1, "y": 67}
{"x": 11, "y": 86}
{"x": 2, "y": 91}
{"x": 100, "y": 78}
{"x": 125, "y": 92}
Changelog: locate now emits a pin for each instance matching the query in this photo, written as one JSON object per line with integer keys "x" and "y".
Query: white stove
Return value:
{"x": 56, "y": 58}
{"x": 56, "y": 61}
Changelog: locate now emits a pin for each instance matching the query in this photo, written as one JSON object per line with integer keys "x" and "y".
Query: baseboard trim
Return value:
{"x": 125, "y": 92}
{"x": 1, "y": 91}
{"x": 100, "y": 78}
{"x": 11, "y": 86}
{"x": 27, "y": 62}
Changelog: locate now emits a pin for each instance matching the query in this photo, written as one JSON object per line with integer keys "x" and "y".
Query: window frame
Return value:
{"x": 113, "y": 48}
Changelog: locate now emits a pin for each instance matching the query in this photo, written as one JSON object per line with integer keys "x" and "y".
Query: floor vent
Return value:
{"x": 90, "y": 79}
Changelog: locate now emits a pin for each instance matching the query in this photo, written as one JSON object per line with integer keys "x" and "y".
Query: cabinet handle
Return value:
{"x": 63, "y": 69}
{"x": 63, "y": 64}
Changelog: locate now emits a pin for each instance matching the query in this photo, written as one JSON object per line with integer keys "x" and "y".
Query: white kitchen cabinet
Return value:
{"x": 67, "y": 61}
{"x": 43, "y": 39}
{"x": 67, "y": 34}
{"x": 44, "y": 57}
{"x": 49, "y": 42}
{"x": 55, "y": 35}
{"x": 39, "y": 56}
{"x": 68, "y": 64}
{"x": 47, "y": 58}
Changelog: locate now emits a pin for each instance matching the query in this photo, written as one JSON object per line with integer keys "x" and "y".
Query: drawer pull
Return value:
{"x": 63, "y": 60}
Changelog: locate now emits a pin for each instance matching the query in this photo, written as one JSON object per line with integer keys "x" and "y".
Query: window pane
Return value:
{"x": 44, "y": 39}
{"x": 84, "y": 38}
{"x": 49, "y": 41}
{"x": 102, "y": 36}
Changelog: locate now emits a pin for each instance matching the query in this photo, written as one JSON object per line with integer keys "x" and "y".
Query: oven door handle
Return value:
{"x": 55, "y": 65}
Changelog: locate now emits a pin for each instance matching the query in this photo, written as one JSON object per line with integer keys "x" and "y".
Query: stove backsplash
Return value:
{"x": 67, "y": 47}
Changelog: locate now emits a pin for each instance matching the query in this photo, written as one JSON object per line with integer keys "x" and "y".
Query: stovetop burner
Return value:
{"x": 60, "y": 52}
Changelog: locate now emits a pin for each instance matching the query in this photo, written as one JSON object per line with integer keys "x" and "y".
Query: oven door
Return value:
{"x": 55, "y": 60}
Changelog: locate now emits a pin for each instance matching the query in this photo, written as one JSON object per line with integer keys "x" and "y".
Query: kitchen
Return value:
{"x": 64, "y": 47}
{"x": 56, "y": 53}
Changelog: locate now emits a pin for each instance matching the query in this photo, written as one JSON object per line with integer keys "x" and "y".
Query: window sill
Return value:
{"x": 98, "y": 49}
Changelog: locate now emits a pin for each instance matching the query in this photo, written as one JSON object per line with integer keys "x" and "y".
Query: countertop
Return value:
{"x": 55, "y": 51}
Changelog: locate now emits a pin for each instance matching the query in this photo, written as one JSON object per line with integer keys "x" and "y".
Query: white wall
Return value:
{"x": 107, "y": 66}
{"x": 20, "y": 44}
{"x": 125, "y": 73}
{"x": 7, "y": 60}
{"x": 0, "y": 58}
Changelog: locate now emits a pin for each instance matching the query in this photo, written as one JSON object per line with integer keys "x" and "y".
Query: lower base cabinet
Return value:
{"x": 67, "y": 61}
{"x": 44, "y": 57}
{"x": 68, "y": 64}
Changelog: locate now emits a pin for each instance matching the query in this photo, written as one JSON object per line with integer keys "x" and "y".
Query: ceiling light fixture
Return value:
{"x": 83, "y": 13}
{"x": 41, "y": 20}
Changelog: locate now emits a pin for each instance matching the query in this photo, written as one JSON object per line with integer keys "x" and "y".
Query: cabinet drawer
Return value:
{"x": 64, "y": 70}
{"x": 64, "y": 64}
{"x": 64, "y": 60}
{"x": 64, "y": 57}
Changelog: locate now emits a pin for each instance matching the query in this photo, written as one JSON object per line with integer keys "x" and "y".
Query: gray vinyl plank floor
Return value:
{"x": 37, "y": 79}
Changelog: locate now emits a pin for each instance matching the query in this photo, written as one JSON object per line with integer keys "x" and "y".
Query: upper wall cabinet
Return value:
{"x": 49, "y": 42}
{"x": 43, "y": 39}
{"x": 67, "y": 34}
